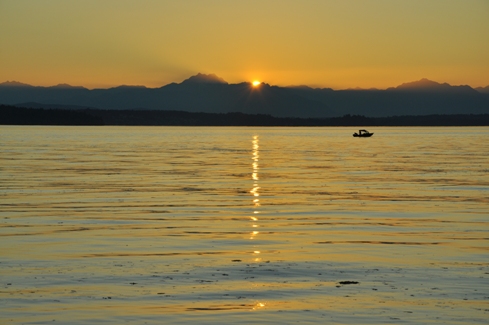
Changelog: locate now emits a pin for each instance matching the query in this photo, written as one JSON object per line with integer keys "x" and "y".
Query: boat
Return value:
{"x": 363, "y": 134}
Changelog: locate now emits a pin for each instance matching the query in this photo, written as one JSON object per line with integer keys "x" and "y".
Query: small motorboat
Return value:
{"x": 363, "y": 134}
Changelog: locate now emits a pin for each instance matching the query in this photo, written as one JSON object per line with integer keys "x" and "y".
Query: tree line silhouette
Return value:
{"x": 11, "y": 115}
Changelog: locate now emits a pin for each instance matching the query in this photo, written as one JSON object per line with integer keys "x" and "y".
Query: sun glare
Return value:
{"x": 256, "y": 83}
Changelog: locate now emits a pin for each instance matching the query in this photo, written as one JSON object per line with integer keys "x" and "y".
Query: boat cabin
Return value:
{"x": 362, "y": 133}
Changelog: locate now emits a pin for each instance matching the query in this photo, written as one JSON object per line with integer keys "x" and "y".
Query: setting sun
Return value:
{"x": 256, "y": 83}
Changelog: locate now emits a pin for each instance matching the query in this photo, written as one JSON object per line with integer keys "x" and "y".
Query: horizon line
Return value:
{"x": 20, "y": 84}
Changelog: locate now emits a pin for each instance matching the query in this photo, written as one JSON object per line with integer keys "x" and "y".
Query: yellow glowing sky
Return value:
{"x": 337, "y": 43}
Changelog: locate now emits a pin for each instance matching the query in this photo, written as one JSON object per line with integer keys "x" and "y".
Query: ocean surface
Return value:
{"x": 237, "y": 225}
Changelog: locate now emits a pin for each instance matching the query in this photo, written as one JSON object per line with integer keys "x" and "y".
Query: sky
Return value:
{"x": 321, "y": 43}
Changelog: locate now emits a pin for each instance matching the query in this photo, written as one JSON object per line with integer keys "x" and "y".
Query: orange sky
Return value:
{"x": 338, "y": 44}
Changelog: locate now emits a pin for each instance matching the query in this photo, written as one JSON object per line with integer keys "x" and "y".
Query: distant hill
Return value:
{"x": 14, "y": 84}
{"x": 483, "y": 89}
{"x": 10, "y": 115}
{"x": 51, "y": 106}
{"x": 212, "y": 94}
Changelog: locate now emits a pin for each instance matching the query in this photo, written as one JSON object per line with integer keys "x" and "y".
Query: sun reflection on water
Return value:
{"x": 259, "y": 305}
{"x": 256, "y": 188}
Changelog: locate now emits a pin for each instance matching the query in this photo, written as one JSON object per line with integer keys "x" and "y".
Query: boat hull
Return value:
{"x": 368, "y": 135}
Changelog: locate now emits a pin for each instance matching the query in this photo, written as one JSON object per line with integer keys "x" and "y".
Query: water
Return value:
{"x": 243, "y": 225}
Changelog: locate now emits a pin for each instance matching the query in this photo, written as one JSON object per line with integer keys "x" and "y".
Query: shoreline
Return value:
{"x": 12, "y": 115}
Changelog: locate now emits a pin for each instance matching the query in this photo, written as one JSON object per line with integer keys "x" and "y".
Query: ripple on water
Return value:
{"x": 243, "y": 225}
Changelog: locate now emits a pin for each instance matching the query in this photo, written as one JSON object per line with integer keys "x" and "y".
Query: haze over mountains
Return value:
{"x": 211, "y": 94}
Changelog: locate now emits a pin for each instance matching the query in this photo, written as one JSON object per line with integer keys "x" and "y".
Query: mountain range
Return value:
{"x": 211, "y": 94}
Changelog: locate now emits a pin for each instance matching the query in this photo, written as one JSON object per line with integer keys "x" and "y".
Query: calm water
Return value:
{"x": 243, "y": 225}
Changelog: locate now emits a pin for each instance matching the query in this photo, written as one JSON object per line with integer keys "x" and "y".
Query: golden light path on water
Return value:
{"x": 243, "y": 225}
{"x": 255, "y": 191}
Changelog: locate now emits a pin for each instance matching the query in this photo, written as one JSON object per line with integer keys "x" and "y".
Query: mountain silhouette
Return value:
{"x": 209, "y": 93}
{"x": 14, "y": 83}
{"x": 66, "y": 86}
{"x": 205, "y": 78}
{"x": 483, "y": 89}
{"x": 423, "y": 84}
{"x": 422, "y": 97}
